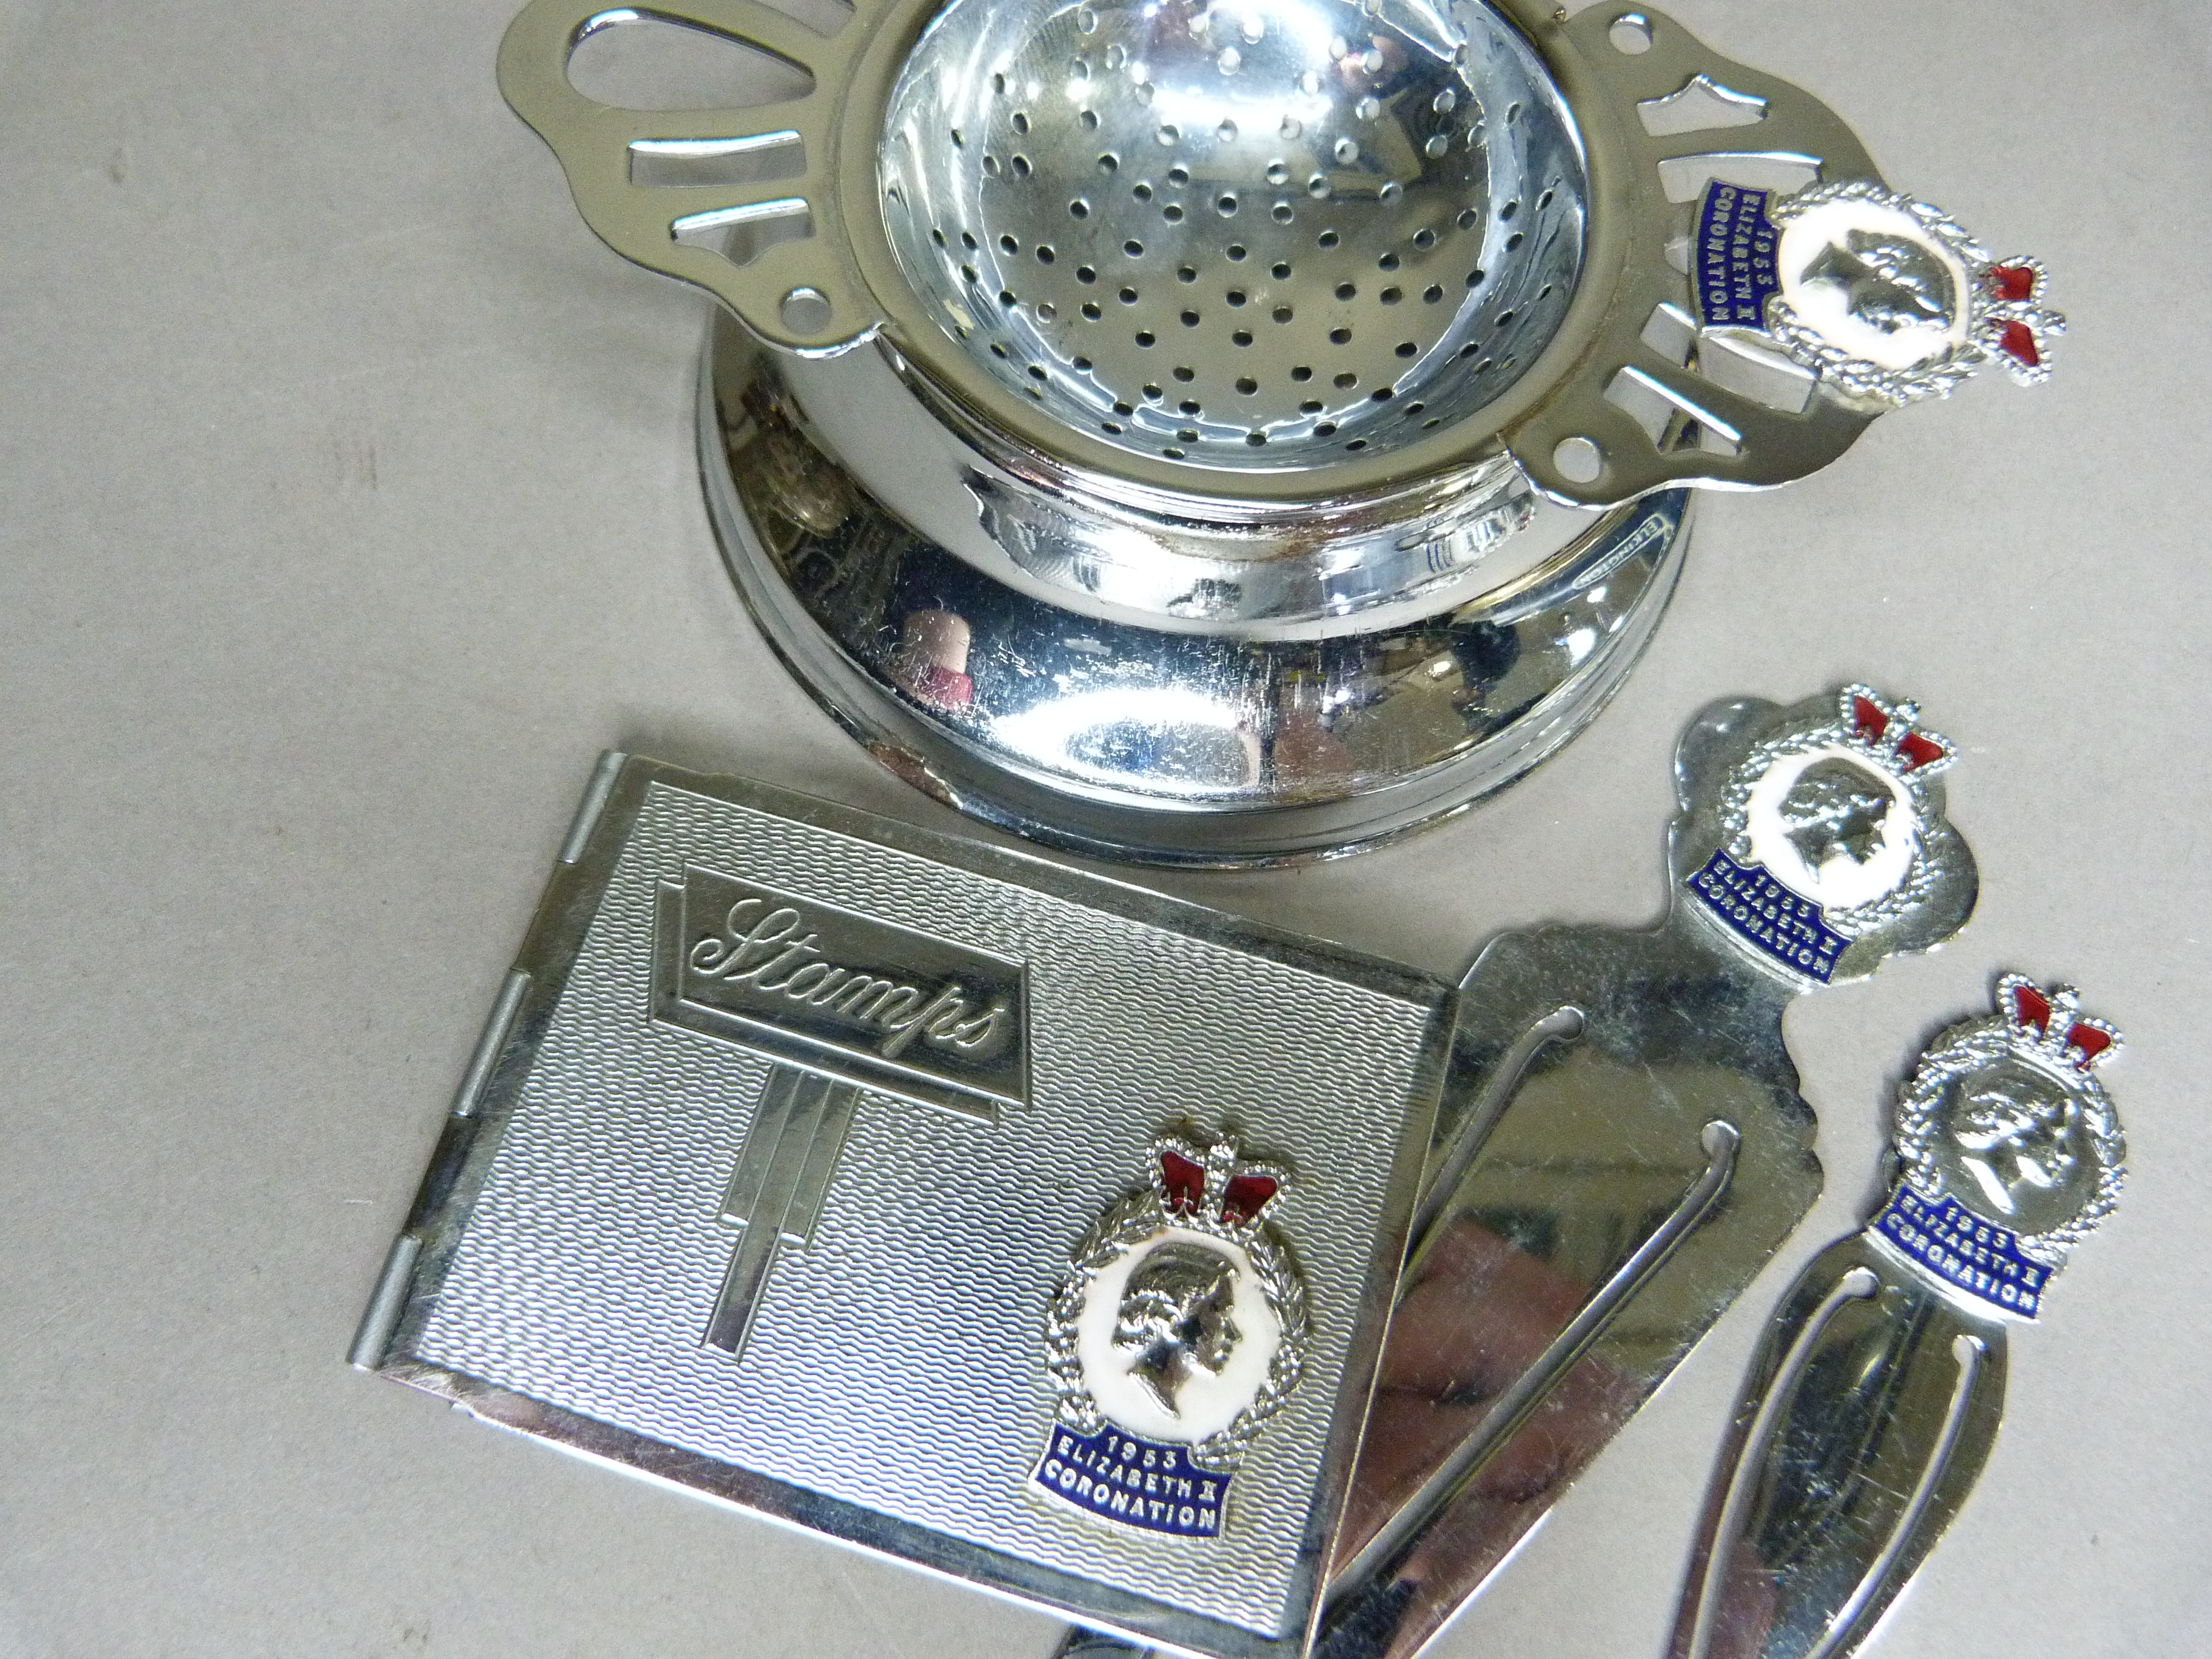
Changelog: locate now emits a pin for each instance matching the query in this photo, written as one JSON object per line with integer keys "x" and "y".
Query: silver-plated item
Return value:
{"x": 1874, "y": 1399}
{"x": 1251, "y": 356}
{"x": 772, "y": 1176}
{"x": 1622, "y": 1145}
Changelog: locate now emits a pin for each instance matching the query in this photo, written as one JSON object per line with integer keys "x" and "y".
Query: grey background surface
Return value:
{"x": 350, "y": 510}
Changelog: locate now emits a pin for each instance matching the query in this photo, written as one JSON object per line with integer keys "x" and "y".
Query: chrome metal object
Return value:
{"x": 1292, "y": 322}
{"x": 769, "y": 1174}
{"x": 1622, "y": 1145}
{"x": 1874, "y": 1399}
{"x": 1176, "y": 744}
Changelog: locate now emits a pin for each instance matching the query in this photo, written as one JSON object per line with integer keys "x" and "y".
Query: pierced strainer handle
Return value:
{"x": 670, "y": 189}
{"x": 1610, "y": 59}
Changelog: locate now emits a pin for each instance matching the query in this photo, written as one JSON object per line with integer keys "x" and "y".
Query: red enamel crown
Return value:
{"x": 2044, "y": 1024}
{"x": 1212, "y": 1181}
{"x": 1891, "y": 734}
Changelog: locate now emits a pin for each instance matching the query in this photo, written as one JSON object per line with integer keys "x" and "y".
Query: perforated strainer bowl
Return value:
{"x": 1211, "y": 431}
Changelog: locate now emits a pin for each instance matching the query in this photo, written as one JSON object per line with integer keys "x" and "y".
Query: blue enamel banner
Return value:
{"x": 1964, "y": 1251}
{"x": 1732, "y": 267}
{"x": 1139, "y": 1483}
{"x": 1763, "y": 912}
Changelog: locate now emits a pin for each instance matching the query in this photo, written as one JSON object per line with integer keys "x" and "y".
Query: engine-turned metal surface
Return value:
{"x": 1266, "y": 235}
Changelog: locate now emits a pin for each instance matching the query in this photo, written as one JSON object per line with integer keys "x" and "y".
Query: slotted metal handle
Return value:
{"x": 670, "y": 189}
{"x": 1612, "y": 62}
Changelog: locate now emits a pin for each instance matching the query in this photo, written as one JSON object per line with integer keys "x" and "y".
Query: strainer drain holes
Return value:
{"x": 1005, "y": 296}
{"x": 1021, "y": 166}
{"x": 958, "y": 142}
{"x": 1432, "y": 293}
{"x": 1283, "y": 313}
{"x": 968, "y": 240}
{"x": 1317, "y": 187}
{"x": 1388, "y": 262}
{"x": 1187, "y": 434}
{"x": 1340, "y": 336}
{"x": 1133, "y": 248}
{"x": 1114, "y": 426}
{"x": 1326, "y": 239}
{"x": 1278, "y": 173}
{"x": 968, "y": 272}
{"x": 1146, "y": 337}
{"x": 1124, "y": 409}
{"x": 1235, "y": 250}
{"x": 1348, "y": 290}
{"x": 1046, "y": 311}
{"x": 1009, "y": 245}
{"x": 1086, "y": 20}
{"x": 1185, "y": 273}
{"x": 1311, "y": 406}
{"x": 1172, "y": 213}
{"x": 1127, "y": 297}
{"x": 1346, "y": 152}
{"x": 1169, "y": 136}
{"x": 1044, "y": 254}
{"x": 1190, "y": 320}
{"x": 1544, "y": 201}
{"x": 937, "y": 236}
{"x": 1326, "y": 429}
{"x": 1110, "y": 163}
{"x": 1356, "y": 444}
{"x": 1178, "y": 175}
{"x": 1504, "y": 317}
{"x": 1021, "y": 122}
{"x": 1514, "y": 241}
{"x": 1190, "y": 406}
{"x": 1090, "y": 311}
{"x": 1407, "y": 349}
{"x": 998, "y": 83}
{"x": 1390, "y": 192}
{"x": 1247, "y": 386}
{"x": 1437, "y": 145}
{"x": 1291, "y": 126}
{"x": 1172, "y": 453}
{"x": 1301, "y": 373}
{"x": 1085, "y": 274}
{"x": 1256, "y": 438}
{"x": 1036, "y": 373}
{"x": 1347, "y": 380}
{"x": 1226, "y": 132}
{"x": 1242, "y": 336}
{"x": 1474, "y": 277}
{"x": 1091, "y": 120}
{"x": 1468, "y": 219}
{"x": 1142, "y": 191}
{"x": 991, "y": 165}
{"x": 1279, "y": 271}
{"x": 1424, "y": 238}
{"x": 1186, "y": 375}
{"x": 1382, "y": 394}
{"x": 1153, "y": 394}
{"x": 1509, "y": 209}
{"x": 1081, "y": 364}
{"x": 1079, "y": 208}
{"x": 997, "y": 350}
{"x": 1282, "y": 213}
{"x": 1390, "y": 296}
{"x": 1236, "y": 297}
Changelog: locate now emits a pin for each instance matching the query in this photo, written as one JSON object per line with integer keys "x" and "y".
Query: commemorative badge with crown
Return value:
{"x": 1832, "y": 831}
{"x": 2010, "y": 1149}
{"x": 1177, "y": 1331}
{"x": 1883, "y": 297}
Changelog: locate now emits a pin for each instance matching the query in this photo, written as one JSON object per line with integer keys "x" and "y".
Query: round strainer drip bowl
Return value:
{"x": 1257, "y": 233}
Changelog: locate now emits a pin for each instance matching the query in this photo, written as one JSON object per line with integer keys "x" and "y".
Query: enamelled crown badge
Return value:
{"x": 1178, "y": 1330}
{"x": 1882, "y": 296}
{"x": 1833, "y": 831}
{"x": 2010, "y": 1149}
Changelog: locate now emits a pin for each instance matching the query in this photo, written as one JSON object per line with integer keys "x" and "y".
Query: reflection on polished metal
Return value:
{"x": 1622, "y": 1145}
{"x": 994, "y": 691}
{"x": 1874, "y": 1399}
{"x": 1221, "y": 434}
{"x": 914, "y": 1071}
